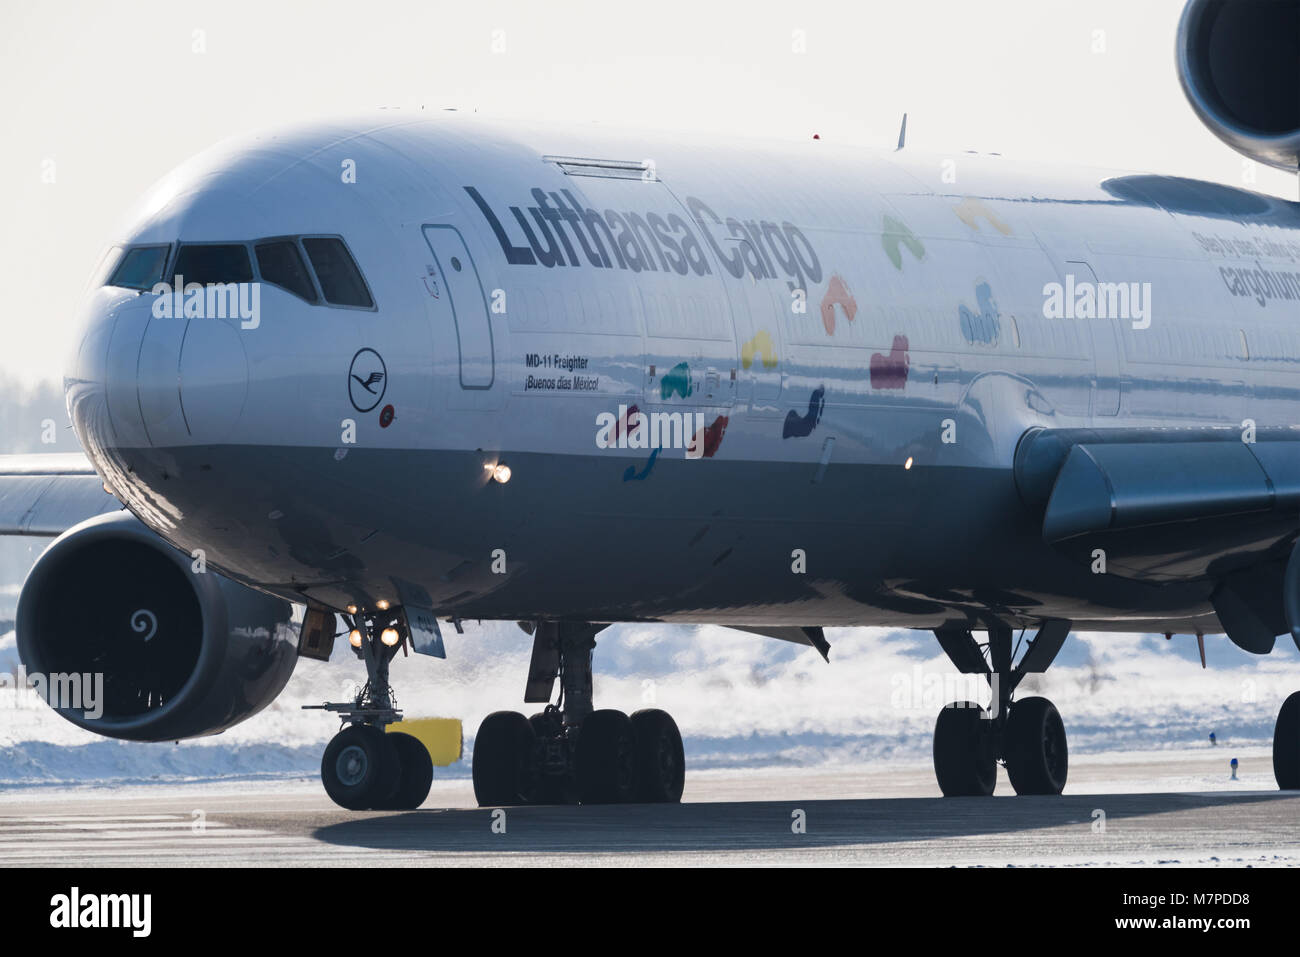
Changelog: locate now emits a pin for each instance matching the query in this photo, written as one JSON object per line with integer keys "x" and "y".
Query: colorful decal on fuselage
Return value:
{"x": 630, "y": 474}
{"x": 712, "y": 436}
{"x": 971, "y": 210}
{"x": 983, "y": 327}
{"x": 678, "y": 380}
{"x": 798, "y": 426}
{"x": 837, "y": 294}
{"x": 896, "y": 234}
{"x": 760, "y": 347}
{"x": 890, "y": 372}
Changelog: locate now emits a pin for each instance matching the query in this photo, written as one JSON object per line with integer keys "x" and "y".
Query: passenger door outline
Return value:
{"x": 464, "y": 306}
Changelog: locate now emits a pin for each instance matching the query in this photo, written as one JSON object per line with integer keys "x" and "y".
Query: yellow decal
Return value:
{"x": 971, "y": 210}
{"x": 762, "y": 345}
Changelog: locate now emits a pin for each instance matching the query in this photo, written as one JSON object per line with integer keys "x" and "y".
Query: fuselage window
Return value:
{"x": 281, "y": 264}
{"x": 336, "y": 271}
{"x": 140, "y": 268}
{"x": 213, "y": 262}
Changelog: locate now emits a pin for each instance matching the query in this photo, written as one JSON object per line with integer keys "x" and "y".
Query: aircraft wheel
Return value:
{"x": 1286, "y": 745}
{"x": 416, "y": 775}
{"x": 963, "y": 751}
{"x": 360, "y": 768}
{"x": 606, "y": 759}
{"x": 503, "y": 760}
{"x": 661, "y": 761}
{"x": 1034, "y": 747}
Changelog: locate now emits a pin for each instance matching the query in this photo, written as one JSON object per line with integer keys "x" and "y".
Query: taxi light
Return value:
{"x": 352, "y": 609}
{"x": 382, "y": 604}
{"x": 390, "y": 637}
{"x": 354, "y": 638}
{"x": 908, "y": 463}
{"x": 501, "y": 473}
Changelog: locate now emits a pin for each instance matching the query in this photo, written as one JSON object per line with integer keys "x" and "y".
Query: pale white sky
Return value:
{"x": 115, "y": 95}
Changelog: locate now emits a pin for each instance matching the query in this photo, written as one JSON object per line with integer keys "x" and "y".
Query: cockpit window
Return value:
{"x": 340, "y": 279}
{"x": 213, "y": 262}
{"x": 140, "y": 268}
{"x": 281, "y": 264}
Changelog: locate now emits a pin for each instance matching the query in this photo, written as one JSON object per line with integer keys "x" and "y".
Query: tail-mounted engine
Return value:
{"x": 1239, "y": 64}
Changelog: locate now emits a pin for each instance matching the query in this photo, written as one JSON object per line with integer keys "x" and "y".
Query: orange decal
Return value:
{"x": 837, "y": 294}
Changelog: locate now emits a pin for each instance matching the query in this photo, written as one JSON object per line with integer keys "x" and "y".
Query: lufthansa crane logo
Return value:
{"x": 367, "y": 380}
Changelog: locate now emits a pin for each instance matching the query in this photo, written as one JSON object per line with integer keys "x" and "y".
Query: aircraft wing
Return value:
{"x": 1165, "y": 504}
{"x": 47, "y": 494}
{"x": 1219, "y": 506}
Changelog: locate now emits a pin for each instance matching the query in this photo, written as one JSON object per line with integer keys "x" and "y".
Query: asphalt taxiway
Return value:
{"x": 1118, "y": 810}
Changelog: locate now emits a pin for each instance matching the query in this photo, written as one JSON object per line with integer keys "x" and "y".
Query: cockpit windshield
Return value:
{"x": 140, "y": 268}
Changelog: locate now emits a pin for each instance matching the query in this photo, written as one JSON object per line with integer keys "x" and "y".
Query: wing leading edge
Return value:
{"x": 45, "y": 495}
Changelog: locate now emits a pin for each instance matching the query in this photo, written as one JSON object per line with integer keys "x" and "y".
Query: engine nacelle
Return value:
{"x": 1239, "y": 64}
{"x": 182, "y": 654}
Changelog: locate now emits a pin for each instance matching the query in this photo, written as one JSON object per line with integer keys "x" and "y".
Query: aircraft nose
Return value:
{"x": 142, "y": 380}
{"x": 100, "y": 380}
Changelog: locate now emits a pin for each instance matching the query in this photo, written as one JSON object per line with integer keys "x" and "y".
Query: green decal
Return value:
{"x": 677, "y": 379}
{"x": 896, "y": 234}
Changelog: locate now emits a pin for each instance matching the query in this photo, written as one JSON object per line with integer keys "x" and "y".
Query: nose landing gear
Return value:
{"x": 570, "y": 753}
{"x": 1028, "y": 735}
{"x": 363, "y": 767}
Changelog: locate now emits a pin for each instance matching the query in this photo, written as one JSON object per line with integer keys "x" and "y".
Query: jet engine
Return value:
{"x": 1239, "y": 64}
{"x": 181, "y": 652}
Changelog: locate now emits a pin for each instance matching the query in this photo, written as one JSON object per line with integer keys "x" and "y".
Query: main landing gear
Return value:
{"x": 570, "y": 753}
{"x": 365, "y": 768}
{"x": 1286, "y": 745}
{"x": 1026, "y": 735}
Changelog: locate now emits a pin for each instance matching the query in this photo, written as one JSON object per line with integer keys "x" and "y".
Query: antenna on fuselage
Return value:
{"x": 902, "y": 134}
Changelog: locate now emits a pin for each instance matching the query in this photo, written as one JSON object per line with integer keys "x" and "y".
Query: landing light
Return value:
{"x": 908, "y": 463}
{"x": 390, "y": 637}
{"x": 501, "y": 473}
{"x": 382, "y": 604}
{"x": 354, "y": 638}
{"x": 352, "y": 609}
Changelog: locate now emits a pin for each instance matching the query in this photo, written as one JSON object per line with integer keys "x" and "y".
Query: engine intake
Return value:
{"x": 181, "y": 654}
{"x": 1239, "y": 64}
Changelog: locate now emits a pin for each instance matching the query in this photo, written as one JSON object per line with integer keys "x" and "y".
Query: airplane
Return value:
{"x": 412, "y": 371}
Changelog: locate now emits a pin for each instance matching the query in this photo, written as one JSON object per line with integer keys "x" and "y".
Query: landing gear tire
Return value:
{"x": 661, "y": 760}
{"x": 1286, "y": 745}
{"x": 964, "y": 761}
{"x": 504, "y": 772}
{"x": 605, "y": 759}
{"x": 416, "y": 773}
{"x": 360, "y": 768}
{"x": 1034, "y": 746}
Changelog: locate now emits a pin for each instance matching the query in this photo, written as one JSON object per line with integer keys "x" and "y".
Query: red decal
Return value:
{"x": 621, "y": 425}
{"x": 890, "y": 372}
{"x": 713, "y": 435}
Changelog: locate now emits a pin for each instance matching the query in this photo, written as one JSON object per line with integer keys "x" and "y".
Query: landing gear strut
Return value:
{"x": 363, "y": 767}
{"x": 1026, "y": 735}
{"x": 570, "y": 752}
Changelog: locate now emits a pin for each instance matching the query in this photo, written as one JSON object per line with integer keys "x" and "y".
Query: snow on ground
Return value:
{"x": 741, "y": 701}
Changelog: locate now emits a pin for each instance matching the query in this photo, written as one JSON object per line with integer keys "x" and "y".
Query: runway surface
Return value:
{"x": 1124, "y": 810}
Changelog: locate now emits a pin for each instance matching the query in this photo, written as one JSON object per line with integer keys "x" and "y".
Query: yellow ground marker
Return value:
{"x": 443, "y": 737}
